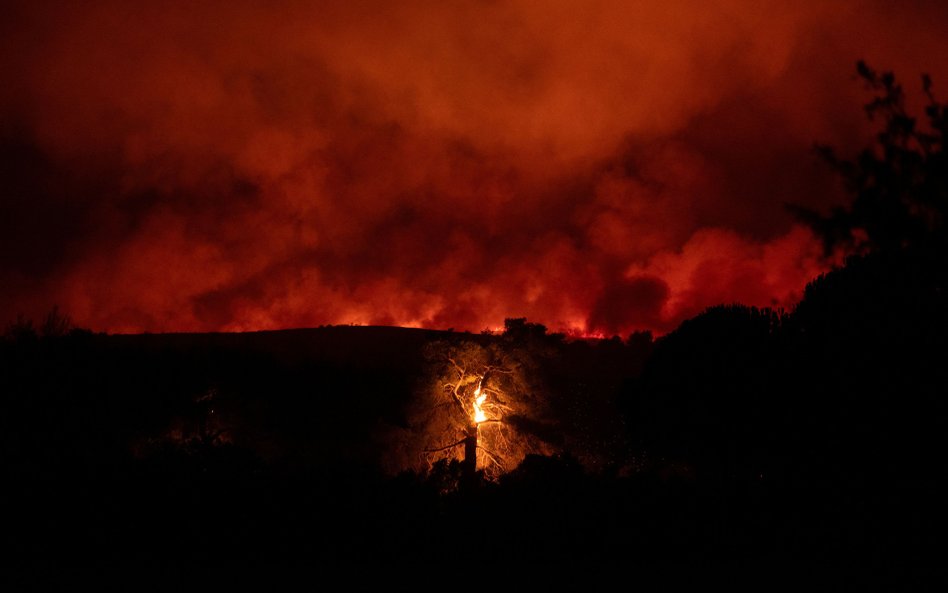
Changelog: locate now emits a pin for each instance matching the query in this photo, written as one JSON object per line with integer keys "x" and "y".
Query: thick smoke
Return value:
{"x": 599, "y": 167}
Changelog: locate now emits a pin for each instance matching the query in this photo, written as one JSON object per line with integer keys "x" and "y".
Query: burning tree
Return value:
{"x": 480, "y": 406}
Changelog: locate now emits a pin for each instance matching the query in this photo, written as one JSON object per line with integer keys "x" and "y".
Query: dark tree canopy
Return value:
{"x": 899, "y": 185}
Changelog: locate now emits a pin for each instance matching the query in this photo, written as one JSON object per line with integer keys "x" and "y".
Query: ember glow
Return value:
{"x": 598, "y": 167}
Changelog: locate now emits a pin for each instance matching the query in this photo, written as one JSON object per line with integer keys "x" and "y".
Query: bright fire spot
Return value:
{"x": 479, "y": 398}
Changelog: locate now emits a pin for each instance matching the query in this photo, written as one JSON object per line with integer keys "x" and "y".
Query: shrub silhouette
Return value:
{"x": 899, "y": 185}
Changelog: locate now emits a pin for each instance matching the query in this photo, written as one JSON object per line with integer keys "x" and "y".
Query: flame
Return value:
{"x": 479, "y": 398}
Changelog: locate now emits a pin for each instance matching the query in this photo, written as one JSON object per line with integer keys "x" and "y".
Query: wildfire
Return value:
{"x": 479, "y": 398}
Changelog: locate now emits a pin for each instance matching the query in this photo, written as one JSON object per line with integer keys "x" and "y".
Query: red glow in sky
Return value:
{"x": 596, "y": 166}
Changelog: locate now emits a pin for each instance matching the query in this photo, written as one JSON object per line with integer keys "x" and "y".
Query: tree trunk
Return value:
{"x": 469, "y": 465}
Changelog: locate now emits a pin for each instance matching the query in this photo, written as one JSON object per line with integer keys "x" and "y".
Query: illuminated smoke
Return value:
{"x": 603, "y": 167}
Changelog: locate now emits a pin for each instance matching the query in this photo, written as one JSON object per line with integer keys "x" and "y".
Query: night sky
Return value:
{"x": 599, "y": 167}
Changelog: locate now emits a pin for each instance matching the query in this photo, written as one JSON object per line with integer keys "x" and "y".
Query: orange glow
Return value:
{"x": 479, "y": 397}
{"x": 597, "y": 167}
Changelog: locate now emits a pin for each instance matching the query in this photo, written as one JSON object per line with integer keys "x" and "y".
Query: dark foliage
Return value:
{"x": 899, "y": 185}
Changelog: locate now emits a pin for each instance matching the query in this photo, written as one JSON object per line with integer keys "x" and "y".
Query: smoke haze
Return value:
{"x": 599, "y": 167}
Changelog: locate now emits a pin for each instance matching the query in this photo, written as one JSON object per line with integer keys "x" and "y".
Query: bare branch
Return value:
{"x": 461, "y": 442}
{"x": 493, "y": 456}
{"x": 462, "y": 371}
{"x": 453, "y": 389}
{"x": 495, "y": 405}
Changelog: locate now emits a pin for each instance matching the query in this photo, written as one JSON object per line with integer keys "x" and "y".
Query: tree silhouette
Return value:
{"x": 899, "y": 185}
{"x": 20, "y": 330}
{"x": 56, "y": 324}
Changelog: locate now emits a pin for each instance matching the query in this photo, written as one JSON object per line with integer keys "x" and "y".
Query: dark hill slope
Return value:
{"x": 84, "y": 402}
